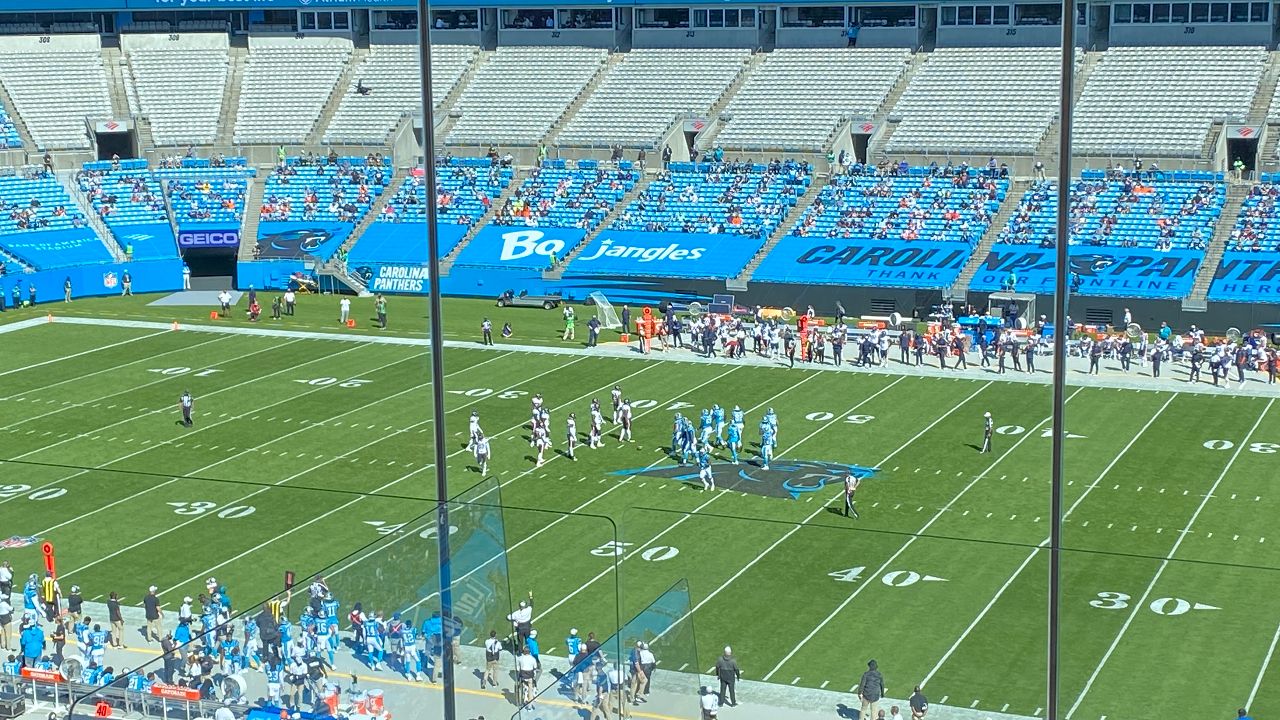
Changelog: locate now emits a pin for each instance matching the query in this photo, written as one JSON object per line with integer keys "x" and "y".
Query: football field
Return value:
{"x": 307, "y": 448}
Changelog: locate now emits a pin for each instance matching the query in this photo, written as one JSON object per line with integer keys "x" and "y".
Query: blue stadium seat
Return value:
{"x": 914, "y": 206}
{"x": 1126, "y": 212}
{"x": 566, "y": 198}
{"x": 341, "y": 192}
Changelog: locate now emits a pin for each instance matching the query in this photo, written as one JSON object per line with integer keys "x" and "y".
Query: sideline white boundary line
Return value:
{"x": 1263, "y": 671}
{"x": 111, "y": 369}
{"x": 1036, "y": 550}
{"x": 1141, "y": 603}
{"x": 911, "y": 541}
{"x": 23, "y": 325}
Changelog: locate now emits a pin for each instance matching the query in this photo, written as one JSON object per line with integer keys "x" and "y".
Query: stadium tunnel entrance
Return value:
{"x": 114, "y": 138}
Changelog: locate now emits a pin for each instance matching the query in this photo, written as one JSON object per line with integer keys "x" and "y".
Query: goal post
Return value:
{"x": 608, "y": 316}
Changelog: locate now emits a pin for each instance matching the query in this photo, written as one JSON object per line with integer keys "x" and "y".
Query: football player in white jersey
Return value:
{"x": 597, "y": 423}
{"x": 473, "y": 429}
{"x": 624, "y": 416}
{"x": 482, "y": 453}
{"x": 571, "y": 431}
{"x": 617, "y": 403}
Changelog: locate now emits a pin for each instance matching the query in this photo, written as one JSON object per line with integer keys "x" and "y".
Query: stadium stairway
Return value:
{"x": 444, "y": 118}
{"x": 611, "y": 60}
{"x": 1048, "y": 147}
{"x": 634, "y": 193}
{"x": 882, "y": 116}
{"x": 1262, "y": 100}
{"x": 1196, "y": 300}
{"x": 446, "y": 262}
{"x": 18, "y": 122}
{"x": 375, "y": 210}
{"x": 348, "y": 77}
{"x": 1012, "y": 198}
{"x": 231, "y": 98}
{"x": 739, "y": 283}
{"x": 113, "y": 61}
{"x": 66, "y": 178}
{"x": 252, "y": 208}
{"x": 723, "y": 101}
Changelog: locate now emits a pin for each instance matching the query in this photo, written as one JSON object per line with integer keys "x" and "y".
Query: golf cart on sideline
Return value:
{"x": 524, "y": 299}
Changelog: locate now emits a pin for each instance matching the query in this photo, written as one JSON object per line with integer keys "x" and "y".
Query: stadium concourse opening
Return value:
{"x": 607, "y": 359}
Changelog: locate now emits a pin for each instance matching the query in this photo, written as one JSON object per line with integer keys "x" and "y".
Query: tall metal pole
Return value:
{"x": 1061, "y": 332}
{"x": 437, "y": 352}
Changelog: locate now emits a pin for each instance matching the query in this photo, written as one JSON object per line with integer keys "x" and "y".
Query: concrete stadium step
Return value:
{"x": 882, "y": 117}
{"x": 1262, "y": 100}
{"x": 1236, "y": 195}
{"x": 757, "y": 58}
{"x": 358, "y": 56}
{"x": 578, "y": 102}
{"x": 1017, "y": 189}
{"x": 447, "y": 261}
{"x": 1047, "y": 150}
{"x": 231, "y": 95}
{"x": 67, "y": 179}
{"x": 803, "y": 202}
{"x": 252, "y": 216}
{"x": 113, "y": 61}
{"x": 558, "y": 271}
{"x": 376, "y": 209}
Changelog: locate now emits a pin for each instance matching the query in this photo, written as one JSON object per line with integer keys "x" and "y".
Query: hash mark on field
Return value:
{"x": 1117, "y": 487}
{"x": 1211, "y": 535}
{"x": 895, "y": 507}
{"x": 1110, "y": 525}
{"x": 1184, "y": 492}
{"x": 989, "y": 515}
{"x": 1233, "y": 496}
{"x": 1139, "y": 488}
{"x": 1038, "y": 711}
{"x": 823, "y": 686}
{"x": 1235, "y": 537}
{"x": 797, "y": 680}
{"x": 973, "y": 704}
{"x": 966, "y": 512}
{"x": 959, "y": 473}
{"x": 1005, "y": 708}
{"x": 1013, "y": 517}
{"x": 944, "y": 699}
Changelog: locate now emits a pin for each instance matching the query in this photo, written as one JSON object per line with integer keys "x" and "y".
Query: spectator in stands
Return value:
{"x": 851, "y": 33}
{"x": 48, "y": 162}
{"x": 362, "y": 89}
{"x": 666, "y": 156}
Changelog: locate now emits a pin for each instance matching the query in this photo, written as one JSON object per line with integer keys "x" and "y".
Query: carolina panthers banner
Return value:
{"x": 1247, "y": 277}
{"x": 693, "y": 255}
{"x": 393, "y": 278}
{"x": 875, "y": 263}
{"x": 295, "y": 240}
{"x": 519, "y": 247}
{"x": 1102, "y": 271}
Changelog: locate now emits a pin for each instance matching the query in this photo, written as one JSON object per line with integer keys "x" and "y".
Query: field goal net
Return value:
{"x": 608, "y": 316}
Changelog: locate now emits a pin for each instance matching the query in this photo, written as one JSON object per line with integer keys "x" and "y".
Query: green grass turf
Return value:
{"x": 322, "y": 465}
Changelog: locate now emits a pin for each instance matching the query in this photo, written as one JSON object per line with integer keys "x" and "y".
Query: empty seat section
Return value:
{"x": 178, "y": 86}
{"x": 797, "y": 96}
{"x": 516, "y": 96}
{"x": 645, "y": 91}
{"x": 978, "y": 100}
{"x": 55, "y": 88}
{"x": 1162, "y": 101}
{"x": 390, "y": 75}
{"x": 286, "y": 84}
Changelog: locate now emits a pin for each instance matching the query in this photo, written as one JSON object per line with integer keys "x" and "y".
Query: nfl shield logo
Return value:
{"x": 18, "y": 541}
{"x": 109, "y": 280}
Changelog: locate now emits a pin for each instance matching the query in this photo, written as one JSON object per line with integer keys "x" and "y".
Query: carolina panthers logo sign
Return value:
{"x": 1091, "y": 264}
{"x": 293, "y": 243}
{"x": 784, "y": 478}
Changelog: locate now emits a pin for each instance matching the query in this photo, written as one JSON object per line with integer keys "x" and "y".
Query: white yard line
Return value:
{"x": 685, "y": 516}
{"x": 301, "y": 429}
{"x": 406, "y": 476}
{"x": 82, "y": 353}
{"x": 1027, "y": 561}
{"x": 1141, "y": 604}
{"x": 139, "y": 387}
{"x": 565, "y": 516}
{"x": 112, "y": 369}
{"x": 1266, "y": 662}
{"x": 910, "y": 541}
{"x": 794, "y": 529}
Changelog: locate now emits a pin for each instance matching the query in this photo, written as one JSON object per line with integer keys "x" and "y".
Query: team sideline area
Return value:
{"x": 308, "y": 436}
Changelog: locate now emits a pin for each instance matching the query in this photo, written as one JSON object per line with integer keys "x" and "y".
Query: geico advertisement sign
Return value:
{"x": 523, "y": 243}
